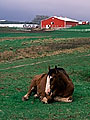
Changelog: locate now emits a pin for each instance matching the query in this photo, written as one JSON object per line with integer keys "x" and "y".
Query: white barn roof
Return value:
{"x": 66, "y": 19}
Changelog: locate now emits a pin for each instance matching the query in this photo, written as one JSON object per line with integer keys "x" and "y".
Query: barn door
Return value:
{"x": 48, "y": 26}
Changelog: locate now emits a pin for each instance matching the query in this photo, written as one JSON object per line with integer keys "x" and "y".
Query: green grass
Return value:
{"x": 16, "y": 44}
{"x": 16, "y": 76}
{"x": 81, "y": 27}
{"x": 14, "y": 84}
{"x": 53, "y": 34}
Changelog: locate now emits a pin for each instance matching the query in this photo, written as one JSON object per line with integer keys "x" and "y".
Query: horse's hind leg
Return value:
{"x": 61, "y": 99}
{"x": 32, "y": 86}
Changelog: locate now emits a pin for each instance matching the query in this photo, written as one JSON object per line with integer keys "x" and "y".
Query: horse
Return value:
{"x": 59, "y": 85}
{"x": 54, "y": 85}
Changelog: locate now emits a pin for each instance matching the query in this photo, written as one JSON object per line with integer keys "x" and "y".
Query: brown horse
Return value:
{"x": 55, "y": 85}
{"x": 59, "y": 85}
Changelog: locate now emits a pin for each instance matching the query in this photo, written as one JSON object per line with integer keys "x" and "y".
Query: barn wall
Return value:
{"x": 71, "y": 24}
{"x": 53, "y": 23}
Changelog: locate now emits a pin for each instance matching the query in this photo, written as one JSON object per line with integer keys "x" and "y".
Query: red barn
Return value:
{"x": 58, "y": 22}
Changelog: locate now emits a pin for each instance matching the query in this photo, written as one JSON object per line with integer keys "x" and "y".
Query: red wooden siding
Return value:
{"x": 52, "y": 22}
{"x": 72, "y": 24}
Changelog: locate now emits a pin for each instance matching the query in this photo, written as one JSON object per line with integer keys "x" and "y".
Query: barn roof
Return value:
{"x": 66, "y": 19}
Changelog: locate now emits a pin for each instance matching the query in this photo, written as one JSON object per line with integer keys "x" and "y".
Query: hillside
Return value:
{"x": 25, "y": 54}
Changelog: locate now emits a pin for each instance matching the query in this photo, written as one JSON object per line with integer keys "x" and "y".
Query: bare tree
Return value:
{"x": 38, "y": 18}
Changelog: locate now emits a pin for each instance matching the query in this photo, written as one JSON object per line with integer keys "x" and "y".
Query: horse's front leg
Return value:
{"x": 46, "y": 98}
{"x": 26, "y": 97}
{"x": 32, "y": 87}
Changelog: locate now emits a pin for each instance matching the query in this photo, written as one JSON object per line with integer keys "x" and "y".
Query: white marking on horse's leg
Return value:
{"x": 60, "y": 99}
{"x": 25, "y": 97}
{"x": 32, "y": 88}
{"x": 44, "y": 100}
{"x": 47, "y": 89}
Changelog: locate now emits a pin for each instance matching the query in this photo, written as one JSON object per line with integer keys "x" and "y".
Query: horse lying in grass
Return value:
{"x": 53, "y": 86}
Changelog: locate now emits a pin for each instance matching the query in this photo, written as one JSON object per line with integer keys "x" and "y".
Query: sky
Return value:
{"x": 26, "y": 10}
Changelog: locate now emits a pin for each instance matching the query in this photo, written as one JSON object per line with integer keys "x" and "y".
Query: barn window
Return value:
{"x": 52, "y": 23}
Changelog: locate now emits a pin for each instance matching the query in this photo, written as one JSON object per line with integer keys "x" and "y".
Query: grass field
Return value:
{"x": 24, "y": 54}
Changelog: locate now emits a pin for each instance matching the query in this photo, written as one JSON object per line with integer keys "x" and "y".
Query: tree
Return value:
{"x": 38, "y": 19}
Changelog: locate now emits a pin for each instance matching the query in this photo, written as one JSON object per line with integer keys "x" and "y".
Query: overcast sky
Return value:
{"x": 25, "y": 10}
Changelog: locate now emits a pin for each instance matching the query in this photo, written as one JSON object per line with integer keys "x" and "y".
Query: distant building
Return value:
{"x": 58, "y": 22}
{"x": 83, "y": 23}
{"x": 4, "y": 23}
{"x": 2, "y": 20}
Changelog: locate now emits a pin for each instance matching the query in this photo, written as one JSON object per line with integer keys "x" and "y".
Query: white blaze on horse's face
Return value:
{"x": 47, "y": 89}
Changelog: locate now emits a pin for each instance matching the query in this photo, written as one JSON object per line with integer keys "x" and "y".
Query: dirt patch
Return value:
{"x": 39, "y": 51}
{"x": 7, "y": 55}
{"x": 61, "y": 43}
{"x": 49, "y": 48}
{"x": 49, "y": 40}
{"x": 32, "y": 52}
{"x": 70, "y": 44}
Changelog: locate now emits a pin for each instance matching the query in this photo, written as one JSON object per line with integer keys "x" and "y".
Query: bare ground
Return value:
{"x": 51, "y": 47}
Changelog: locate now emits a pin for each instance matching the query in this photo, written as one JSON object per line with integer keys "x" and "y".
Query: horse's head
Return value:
{"x": 51, "y": 77}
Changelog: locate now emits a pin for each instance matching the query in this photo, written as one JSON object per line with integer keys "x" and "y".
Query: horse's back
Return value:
{"x": 38, "y": 77}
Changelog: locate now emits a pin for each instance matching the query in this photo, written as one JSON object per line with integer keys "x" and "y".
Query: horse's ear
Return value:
{"x": 55, "y": 67}
{"x": 48, "y": 67}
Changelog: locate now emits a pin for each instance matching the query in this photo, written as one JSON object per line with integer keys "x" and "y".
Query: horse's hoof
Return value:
{"x": 70, "y": 99}
{"x": 44, "y": 100}
{"x": 24, "y": 99}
